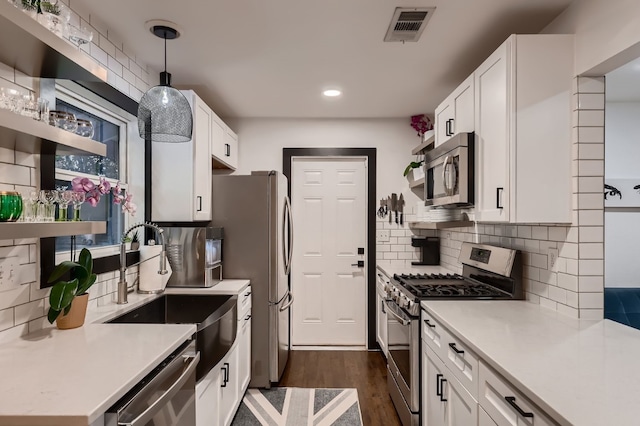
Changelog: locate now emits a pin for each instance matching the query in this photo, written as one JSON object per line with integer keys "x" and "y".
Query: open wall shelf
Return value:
{"x": 18, "y": 230}
{"x": 440, "y": 225}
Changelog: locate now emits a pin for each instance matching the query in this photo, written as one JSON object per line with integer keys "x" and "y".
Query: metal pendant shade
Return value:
{"x": 164, "y": 114}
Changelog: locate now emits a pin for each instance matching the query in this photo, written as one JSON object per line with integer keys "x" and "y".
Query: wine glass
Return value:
{"x": 65, "y": 198}
{"x": 77, "y": 198}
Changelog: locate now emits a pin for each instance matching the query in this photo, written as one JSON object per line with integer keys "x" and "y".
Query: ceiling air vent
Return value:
{"x": 408, "y": 23}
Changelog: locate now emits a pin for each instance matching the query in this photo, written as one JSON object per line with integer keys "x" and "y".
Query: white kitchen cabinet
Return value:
{"x": 506, "y": 405}
{"x": 446, "y": 402}
{"x": 381, "y": 313}
{"x": 224, "y": 146}
{"x": 523, "y": 131}
{"x": 484, "y": 419}
{"x": 219, "y": 393}
{"x": 456, "y": 114}
{"x": 181, "y": 172}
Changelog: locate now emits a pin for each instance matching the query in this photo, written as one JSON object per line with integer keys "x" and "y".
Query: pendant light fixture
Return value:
{"x": 164, "y": 114}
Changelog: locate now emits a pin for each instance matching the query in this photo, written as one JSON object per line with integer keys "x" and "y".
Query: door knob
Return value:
{"x": 360, "y": 264}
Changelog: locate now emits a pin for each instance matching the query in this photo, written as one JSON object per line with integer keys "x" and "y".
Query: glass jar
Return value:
{"x": 10, "y": 206}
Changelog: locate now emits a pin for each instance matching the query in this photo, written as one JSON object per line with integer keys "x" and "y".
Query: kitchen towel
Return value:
{"x": 300, "y": 407}
{"x": 150, "y": 280}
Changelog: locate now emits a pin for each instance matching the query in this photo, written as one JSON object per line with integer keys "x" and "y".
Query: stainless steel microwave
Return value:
{"x": 449, "y": 172}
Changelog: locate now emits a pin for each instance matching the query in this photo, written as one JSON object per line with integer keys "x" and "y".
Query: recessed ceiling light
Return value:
{"x": 332, "y": 93}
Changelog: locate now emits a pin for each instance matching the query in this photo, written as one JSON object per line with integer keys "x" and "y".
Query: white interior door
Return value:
{"x": 329, "y": 199}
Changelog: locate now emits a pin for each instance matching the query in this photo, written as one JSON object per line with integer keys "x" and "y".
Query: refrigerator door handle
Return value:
{"x": 288, "y": 304}
{"x": 288, "y": 218}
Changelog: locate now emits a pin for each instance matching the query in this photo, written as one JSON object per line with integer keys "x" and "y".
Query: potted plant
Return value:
{"x": 70, "y": 298}
{"x": 414, "y": 171}
{"x": 135, "y": 242}
{"x": 422, "y": 124}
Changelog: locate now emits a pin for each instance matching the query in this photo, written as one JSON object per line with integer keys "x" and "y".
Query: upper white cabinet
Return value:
{"x": 224, "y": 147}
{"x": 523, "y": 131}
{"x": 181, "y": 172}
{"x": 456, "y": 113}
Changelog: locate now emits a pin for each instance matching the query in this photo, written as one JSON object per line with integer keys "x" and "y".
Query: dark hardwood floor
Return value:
{"x": 363, "y": 370}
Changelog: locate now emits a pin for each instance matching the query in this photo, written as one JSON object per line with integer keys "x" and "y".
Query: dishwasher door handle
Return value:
{"x": 160, "y": 403}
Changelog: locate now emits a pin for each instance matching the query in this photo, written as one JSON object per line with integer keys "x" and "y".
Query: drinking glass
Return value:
{"x": 77, "y": 199}
{"x": 48, "y": 197}
{"x": 65, "y": 198}
{"x": 79, "y": 36}
{"x": 36, "y": 210}
{"x": 85, "y": 128}
{"x": 43, "y": 110}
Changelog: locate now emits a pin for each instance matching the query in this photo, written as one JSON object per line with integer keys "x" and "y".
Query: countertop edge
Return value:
{"x": 522, "y": 387}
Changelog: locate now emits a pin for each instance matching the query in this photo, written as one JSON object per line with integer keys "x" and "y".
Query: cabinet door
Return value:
{"x": 443, "y": 116}
{"x": 460, "y": 408}
{"x": 218, "y": 131}
{"x": 231, "y": 149}
{"x": 484, "y": 419}
{"x": 208, "y": 399}
{"x": 244, "y": 355}
{"x": 202, "y": 162}
{"x": 381, "y": 323}
{"x": 433, "y": 405}
{"x": 492, "y": 127}
{"x": 229, "y": 387}
{"x": 463, "y": 107}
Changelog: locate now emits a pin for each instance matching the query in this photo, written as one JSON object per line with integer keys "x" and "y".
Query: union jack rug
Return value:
{"x": 299, "y": 407}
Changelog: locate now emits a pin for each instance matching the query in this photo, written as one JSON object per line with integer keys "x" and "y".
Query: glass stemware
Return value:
{"x": 48, "y": 197}
{"x": 78, "y": 198}
{"x": 65, "y": 198}
{"x": 85, "y": 128}
{"x": 34, "y": 204}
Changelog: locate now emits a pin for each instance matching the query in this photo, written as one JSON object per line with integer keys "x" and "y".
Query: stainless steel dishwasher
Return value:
{"x": 166, "y": 396}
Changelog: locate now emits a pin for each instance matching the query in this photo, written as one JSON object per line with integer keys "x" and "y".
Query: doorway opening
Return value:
{"x": 364, "y": 251}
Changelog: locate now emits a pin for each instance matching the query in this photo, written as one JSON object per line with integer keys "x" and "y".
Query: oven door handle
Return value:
{"x": 162, "y": 400}
{"x": 393, "y": 311}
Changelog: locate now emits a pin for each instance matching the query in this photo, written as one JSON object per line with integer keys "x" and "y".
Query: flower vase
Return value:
{"x": 427, "y": 135}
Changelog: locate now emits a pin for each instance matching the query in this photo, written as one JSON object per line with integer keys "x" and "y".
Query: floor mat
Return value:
{"x": 299, "y": 407}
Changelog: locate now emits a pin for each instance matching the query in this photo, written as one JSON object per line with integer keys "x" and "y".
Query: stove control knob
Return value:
{"x": 409, "y": 304}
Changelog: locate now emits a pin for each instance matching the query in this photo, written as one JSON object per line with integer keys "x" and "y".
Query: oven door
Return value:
{"x": 404, "y": 353}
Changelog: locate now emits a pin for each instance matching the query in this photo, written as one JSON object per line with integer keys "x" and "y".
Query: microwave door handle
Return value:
{"x": 444, "y": 175}
{"x": 454, "y": 176}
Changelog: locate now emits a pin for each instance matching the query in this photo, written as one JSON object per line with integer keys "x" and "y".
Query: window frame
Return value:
{"x": 73, "y": 95}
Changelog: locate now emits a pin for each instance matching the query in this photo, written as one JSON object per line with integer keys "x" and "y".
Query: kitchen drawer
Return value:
{"x": 462, "y": 362}
{"x": 381, "y": 281}
{"x": 434, "y": 334}
{"x": 244, "y": 303}
{"x": 505, "y": 405}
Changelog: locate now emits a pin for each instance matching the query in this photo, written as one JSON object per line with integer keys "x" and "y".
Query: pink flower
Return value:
{"x": 117, "y": 189}
{"x": 129, "y": 207}
{"x": 104, "y": 186}
{"x": 93, "y": 197}
{"x": 82, "y": 184}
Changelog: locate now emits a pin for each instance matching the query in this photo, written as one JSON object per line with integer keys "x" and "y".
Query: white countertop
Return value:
{"x": 580, "y": 372}
{"x": 70, "y": 377}
{"x": 390, "y": 269}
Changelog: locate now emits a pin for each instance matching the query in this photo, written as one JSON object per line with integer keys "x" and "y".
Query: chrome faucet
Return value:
{"x": 122, "y": 283}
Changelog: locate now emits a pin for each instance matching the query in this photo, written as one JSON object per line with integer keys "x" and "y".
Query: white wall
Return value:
{"x": 606, "y": 32}
{"x": 622, "y": 135}
{"x": 622, "y": 228}
{"x": 262, "y": 141}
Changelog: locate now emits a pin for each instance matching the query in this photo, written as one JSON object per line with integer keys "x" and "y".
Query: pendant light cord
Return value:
{"x": 165, "y": 51}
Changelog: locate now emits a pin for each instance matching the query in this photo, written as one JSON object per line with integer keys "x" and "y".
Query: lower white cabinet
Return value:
{"x": 381, "y": 314}
{"x": 506, "y": 405}
{"x": 484, "y": 419}
{"x": 219, "y": 393}
{"x": 445, "y": 401}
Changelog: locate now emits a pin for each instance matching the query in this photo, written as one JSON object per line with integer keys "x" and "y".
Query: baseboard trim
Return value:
{"x": 329, "y": 348}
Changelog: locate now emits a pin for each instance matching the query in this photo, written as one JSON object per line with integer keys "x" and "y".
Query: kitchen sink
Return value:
{"x": 214, "y": 315}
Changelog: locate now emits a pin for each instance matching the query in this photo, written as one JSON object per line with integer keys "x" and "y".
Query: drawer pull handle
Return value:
{"x": 456, "y": 350}
{"x": 247, "y": 318}
{"x": 512, "y": 402}
{"x": 442, "y": 382}
{"x": 429, "y": 324}
{"x": 247, "y": 294}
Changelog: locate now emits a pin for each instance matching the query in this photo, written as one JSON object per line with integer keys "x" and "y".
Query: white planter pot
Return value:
{"x": 415, "y": 174}
{"x": 427, "y": 135}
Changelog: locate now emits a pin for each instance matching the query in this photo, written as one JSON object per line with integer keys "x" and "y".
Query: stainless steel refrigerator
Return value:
{"x": 255, "y": 212}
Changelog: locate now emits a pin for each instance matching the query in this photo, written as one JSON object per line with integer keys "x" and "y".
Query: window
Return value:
{"x": 110, "y": 128}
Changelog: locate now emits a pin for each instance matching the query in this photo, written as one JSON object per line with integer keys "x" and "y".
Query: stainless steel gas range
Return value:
{"x": 488, "y": 272}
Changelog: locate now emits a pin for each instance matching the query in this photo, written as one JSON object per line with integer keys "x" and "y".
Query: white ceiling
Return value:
{"x": 623, "y": 84}
{"x": 256, "y": 58}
